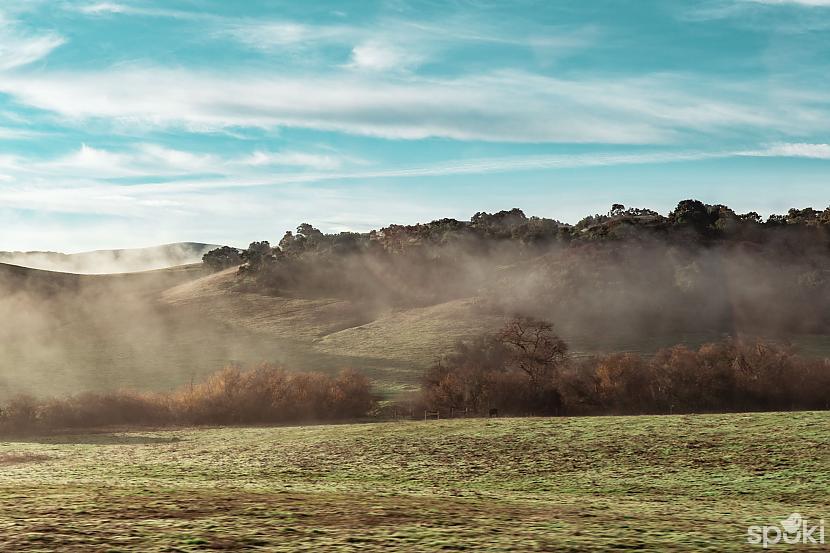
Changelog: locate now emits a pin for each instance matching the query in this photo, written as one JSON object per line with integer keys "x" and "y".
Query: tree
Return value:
{"x": 692, "y": 213}
{"x": 498, "y": 225}
{"x": 222, "y": 258}
{"x": 751, "y": 217}
{"x": 290, "y": 243}
{"x": 533, "y": 348}
{"x": 257, "y": 255}
{"x": 617, "y": 210}
{"x": 311, "y": 234}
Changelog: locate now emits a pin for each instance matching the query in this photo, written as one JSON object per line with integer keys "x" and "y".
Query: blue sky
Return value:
{"x": 136, "y": 122}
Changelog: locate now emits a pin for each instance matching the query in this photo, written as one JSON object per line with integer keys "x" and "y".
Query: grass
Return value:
{"x": 674, "y": 483}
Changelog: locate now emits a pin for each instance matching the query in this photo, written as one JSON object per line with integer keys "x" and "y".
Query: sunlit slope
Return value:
{"x": 161, "y": 329}
{"x": 65, "y": 333}
{"x": 392, "y": 344}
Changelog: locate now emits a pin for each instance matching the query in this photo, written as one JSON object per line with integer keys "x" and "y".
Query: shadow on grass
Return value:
{"x": 91, "y": 439}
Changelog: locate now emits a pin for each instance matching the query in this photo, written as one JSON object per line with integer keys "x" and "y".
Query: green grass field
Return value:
{"x": 676, "y": 483}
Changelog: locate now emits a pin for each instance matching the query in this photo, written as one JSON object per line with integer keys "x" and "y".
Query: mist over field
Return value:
{"x": 111, "y": 261}
{"x": 392, "y": 301}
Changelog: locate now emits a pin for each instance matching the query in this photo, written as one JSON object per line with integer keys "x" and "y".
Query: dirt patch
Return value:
{"x": 17, "y": 458}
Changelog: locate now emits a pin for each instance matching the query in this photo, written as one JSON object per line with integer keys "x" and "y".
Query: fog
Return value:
{"x": 65, "y": 333}
{"x": 111, "y": 261}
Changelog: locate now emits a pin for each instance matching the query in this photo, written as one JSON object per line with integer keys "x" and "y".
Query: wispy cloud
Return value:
{"x": 381, "y": 45}
{"x": 266, "y": 159}
{"x": 154, "y": 161}
{"x": 508, "y": 106}
{"x": 7, "y": 133}
{"x": 19, "y": 47}
{"x": 105, "y": 9}
{"x": 808, "y": 3}
{"x": 149, "y": 163}
{"x": 273, "y": 36}
{"x": 101, "y": 8}
{"x": 65, "y": 185}
{"x": 815, "y": 151}
{"x": 800, "y": 16}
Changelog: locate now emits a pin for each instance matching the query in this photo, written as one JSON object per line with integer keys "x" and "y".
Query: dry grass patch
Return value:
{"x": 17, "y": 458}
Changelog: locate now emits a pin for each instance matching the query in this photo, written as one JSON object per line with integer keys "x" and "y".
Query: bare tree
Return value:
{"x": 535, "y": 349}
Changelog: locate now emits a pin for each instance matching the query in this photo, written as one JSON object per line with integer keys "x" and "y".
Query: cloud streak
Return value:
{"x": 149, "y": 162}
{"x": 506, "y": 106}
{"x": 807, "y": 3}
{"x": 804, "y": 150}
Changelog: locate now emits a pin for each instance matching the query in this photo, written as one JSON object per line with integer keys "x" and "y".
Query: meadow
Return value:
{"x": 649, "y": 483}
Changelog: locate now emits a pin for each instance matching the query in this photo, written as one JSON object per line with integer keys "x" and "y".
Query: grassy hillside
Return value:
{"x": 66, "y": 333}
{"x": 157, "y": 330}
{"x": 674, "y": 483}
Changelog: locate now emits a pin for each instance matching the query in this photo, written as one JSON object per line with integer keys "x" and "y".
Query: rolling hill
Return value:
{"x": 111, "y": 261}
{"x": 157, "y": 330}
{"x": 160, "y": 329}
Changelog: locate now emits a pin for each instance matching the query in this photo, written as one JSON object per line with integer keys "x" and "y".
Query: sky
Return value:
{"x": 139, "y": 122}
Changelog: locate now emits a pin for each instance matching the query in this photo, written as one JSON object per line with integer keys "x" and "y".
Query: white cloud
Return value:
{"x": 104, "y": 8}
{"x": 120, "y": 8}
{"x": 815, "y": 151}
{"x": 17, "y": 134}
{"x": 293, "y": 159}
{"x": 88, "y": 170}
{"x": 504, "y": 106}
{"x": 89, "y": 160}
{"x": 153, "y": 161}
{"x": 19, "y": 48}
{"x": 379, "y": 56}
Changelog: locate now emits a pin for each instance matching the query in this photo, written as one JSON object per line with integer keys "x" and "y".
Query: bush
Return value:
{"x": 266, "y": 394}
{"x": 730, "y": 375}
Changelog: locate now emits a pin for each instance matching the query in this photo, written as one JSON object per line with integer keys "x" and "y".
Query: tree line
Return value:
{"x": 691, "y": 221}
{"x": 525, "y": 369}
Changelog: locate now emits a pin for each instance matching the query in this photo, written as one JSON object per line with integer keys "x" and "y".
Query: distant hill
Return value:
{"x": 157, "y": 330}
{"x": 111, "y": 261}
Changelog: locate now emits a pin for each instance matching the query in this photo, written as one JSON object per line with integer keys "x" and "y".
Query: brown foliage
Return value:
{"x": 730, "y": 375}
{"x": 516, "y": 370}
{"x": 266, "y": 394}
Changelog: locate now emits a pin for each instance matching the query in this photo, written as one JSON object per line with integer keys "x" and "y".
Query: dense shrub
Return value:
{"x": 266, "y": 394}
{"x": 730, "y": 375}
